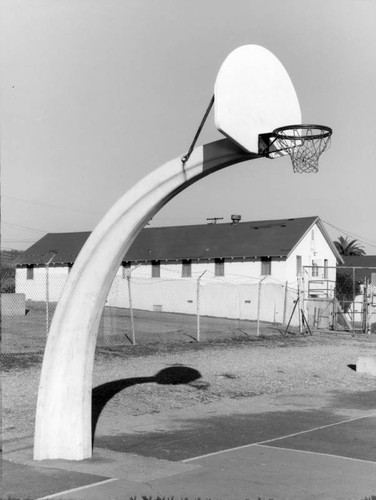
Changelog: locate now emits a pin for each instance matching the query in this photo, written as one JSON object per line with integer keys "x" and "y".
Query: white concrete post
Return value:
{"x": 63, "y": 417}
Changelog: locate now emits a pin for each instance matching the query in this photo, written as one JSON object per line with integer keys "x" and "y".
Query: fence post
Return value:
{"x": 198, "y": 306}
{"x": 259, "y": 305}
{"x": 366, "y": 308}
{"x": 131, "y": 307}
{"x": 285, "y": 304}
{"x": 300, "y": 310}
{"x": 48, "y": 292}
{"x": 353, "y": 303}
{"x": 334, "y": 318}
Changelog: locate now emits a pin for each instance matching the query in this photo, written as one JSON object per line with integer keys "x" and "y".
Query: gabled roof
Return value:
{"x": 270, "y": 238}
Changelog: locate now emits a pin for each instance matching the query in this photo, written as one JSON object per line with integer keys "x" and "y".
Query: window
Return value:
{"x": 298, "y": 265}
{"x": 125, "y": 267}
{"x": 315, "y": 269}
{"x": 326, "y": 269}
{"x": 30, "y": 272}
{"x": 156, "y": 269}
{"x": 219, "y": 267}
{"x": 266, "y": 266}
{"x": 186, "y": 270}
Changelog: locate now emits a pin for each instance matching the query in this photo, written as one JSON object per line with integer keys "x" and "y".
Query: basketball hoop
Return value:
{"x": 304, "y": 144}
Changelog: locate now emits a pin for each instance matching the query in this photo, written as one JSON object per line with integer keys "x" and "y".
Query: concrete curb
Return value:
{"x": 366, "y": 365}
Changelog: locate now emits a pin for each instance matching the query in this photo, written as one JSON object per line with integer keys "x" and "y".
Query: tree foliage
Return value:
{"x": 347, "y": 247}
{"x": 347, "y": 288}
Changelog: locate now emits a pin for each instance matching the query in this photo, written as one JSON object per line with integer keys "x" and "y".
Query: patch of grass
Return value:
{"x": 19, "y": 362}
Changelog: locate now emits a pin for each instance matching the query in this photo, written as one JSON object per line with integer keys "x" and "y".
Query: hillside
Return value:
{"x": 7, "y": 258}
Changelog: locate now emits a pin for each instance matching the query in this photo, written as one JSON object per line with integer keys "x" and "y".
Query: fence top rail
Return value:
{"x": 356, "y": 267}
{"x": 340, "y": 267}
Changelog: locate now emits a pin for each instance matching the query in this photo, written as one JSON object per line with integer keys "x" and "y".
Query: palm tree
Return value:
{"x": 346, "y": 247}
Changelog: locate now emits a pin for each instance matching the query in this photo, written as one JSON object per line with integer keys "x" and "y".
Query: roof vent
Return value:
{"x": 235, "y": 219}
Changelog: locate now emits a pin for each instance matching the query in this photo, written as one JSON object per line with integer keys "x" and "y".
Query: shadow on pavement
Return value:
{"x": 173, "y": 375}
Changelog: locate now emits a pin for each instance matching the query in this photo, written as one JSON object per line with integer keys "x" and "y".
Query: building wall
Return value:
{"x": 313, "y": 249}
{"x": 234, "y": 295}
{"x": 234, "y": 269}
{"x": 219, "y": 297}
{"x": 36, "y": 289}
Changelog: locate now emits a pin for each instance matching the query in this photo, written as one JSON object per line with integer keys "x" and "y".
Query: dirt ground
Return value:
{"x": 28, "y": 333}
{"x": 227, "y": 370}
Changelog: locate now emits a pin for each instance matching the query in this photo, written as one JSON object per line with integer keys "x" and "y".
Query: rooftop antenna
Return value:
{"x": 213, "y": 219}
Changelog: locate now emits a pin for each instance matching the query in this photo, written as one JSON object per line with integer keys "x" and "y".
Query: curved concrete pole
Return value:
{"x": 63, "y": 419}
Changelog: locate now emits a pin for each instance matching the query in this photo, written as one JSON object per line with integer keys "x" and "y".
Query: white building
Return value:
{"x": 229, "y": 260}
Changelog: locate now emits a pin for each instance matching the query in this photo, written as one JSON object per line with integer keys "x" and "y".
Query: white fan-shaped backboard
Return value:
{"x": 253, "y": 95}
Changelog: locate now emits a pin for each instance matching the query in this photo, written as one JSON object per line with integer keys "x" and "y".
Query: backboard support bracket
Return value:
{"x": 268, "y": 146}
{"x": 185, "y": 158}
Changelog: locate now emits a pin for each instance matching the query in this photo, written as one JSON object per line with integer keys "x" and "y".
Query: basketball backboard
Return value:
{"x": 253, "y": 95}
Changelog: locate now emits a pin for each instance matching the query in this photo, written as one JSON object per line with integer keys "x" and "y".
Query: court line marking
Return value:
{"x": 79, "y": 488}
{"x": 236, "y": 448}
{"x": 316, "y": 453}
{"x": 259, "y": 444}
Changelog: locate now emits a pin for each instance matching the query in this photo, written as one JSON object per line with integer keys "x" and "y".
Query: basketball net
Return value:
{"x": 305, "y": 144}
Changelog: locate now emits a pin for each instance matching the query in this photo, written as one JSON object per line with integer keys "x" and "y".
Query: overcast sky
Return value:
{"x": 98, "y": 93}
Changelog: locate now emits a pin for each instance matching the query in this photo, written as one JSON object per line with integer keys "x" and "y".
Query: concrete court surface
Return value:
{"x": 312, "y": 446}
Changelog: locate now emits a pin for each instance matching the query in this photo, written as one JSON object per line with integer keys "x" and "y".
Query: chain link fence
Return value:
{"x": 348, "y": 304}
{"x": 141, "y": 310}
{"x": 205, "y": 308}
{"x": 356, "y": 299}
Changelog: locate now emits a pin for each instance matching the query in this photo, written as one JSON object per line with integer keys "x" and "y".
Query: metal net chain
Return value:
{"x": 304, "y": 148}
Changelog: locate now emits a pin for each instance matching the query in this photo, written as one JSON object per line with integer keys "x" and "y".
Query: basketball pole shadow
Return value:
{"x": 102, "y": 394}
